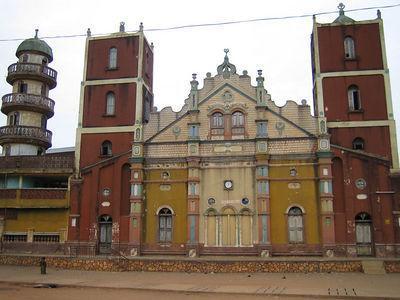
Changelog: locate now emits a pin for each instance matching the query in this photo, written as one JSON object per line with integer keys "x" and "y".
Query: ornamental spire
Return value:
{"x": 226, "y": 69}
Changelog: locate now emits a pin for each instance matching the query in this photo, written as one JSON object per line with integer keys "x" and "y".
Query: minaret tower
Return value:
{"x": 28, "y": 107}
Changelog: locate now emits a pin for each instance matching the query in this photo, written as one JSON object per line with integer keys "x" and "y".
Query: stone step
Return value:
{"x": 374, "y": 267}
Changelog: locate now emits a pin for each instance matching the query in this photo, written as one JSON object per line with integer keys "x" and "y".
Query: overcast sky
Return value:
{"x": 281, "y": 48}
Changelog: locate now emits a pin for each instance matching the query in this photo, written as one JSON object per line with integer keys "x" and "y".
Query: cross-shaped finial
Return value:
{"x": 341, "y": 6}
{"x": 226, "y": 50}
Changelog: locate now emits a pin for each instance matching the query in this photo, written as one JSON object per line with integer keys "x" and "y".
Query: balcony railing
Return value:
{"x": 32, "y": 102}
{"x": 28, "y": 134}
{"x": 49, "y": 163}
{"x": 26, "y": 70}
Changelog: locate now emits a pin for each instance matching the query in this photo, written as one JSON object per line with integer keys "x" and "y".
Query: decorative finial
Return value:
{"x": 194, "y": 75}
{"x": 378, "y": 13}
{"x": 341, "y": 7}
{"x": 152, "y": 46}
{"x": 122, "y": 27}
{"x": 226, "y": 68}
{"x": 36, "y": 33}
{"x": 259, "y": 72}
{"x": 88, "y": 33}
{"x": 141, "y": 26}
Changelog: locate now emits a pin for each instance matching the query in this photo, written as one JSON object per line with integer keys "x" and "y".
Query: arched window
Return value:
{"x": 237, "y": 119}
{"x": 217, "y": 120}
{"x": 295, "y": 225}
{"x": 13, "y": 119}
{"x": 112, "y": 58}
{"x": 110, "y": 104}
{"x": 353, "y": 94}
{"x": 358, "y": 144}
{"x": 349, "y": 51}
{"x": 106, "y": 148}
{"x": 165, "y": 225}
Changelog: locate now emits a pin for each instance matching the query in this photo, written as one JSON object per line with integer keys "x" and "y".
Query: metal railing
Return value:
{"x": 28, "y": 132}
{"x": 29, "y": 68}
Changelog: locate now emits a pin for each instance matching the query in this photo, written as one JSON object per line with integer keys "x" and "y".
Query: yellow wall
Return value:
{"x": 281, "y": 197}
{"x": 40, "y": 220}
{"x": 176, "y": 198}
{"x": 212, "y": 186}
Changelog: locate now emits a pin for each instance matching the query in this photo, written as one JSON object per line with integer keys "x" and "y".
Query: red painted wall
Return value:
{"x": 91, "y": 143}
{"x": 376, "y": 139}
{"x": 372, "y": 95}
{"x": 127, "y": 61}
{"x": 148, "y": 65}
{"x": 347, "y": 168}
{"x": 367, "y": 47}
{"x": 95, "y": 105}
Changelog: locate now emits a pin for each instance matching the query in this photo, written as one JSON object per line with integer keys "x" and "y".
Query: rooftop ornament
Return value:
{"x": 226, "y": 69}
{"x": 343, "y": 19}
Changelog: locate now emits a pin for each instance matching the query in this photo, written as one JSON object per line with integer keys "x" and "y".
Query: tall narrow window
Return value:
{"x": 106, "y": 148}
{"x": 217, "y": 124}
{"x": 237, "y": 119}
{"x": 353, "y": 94}
{"x": 261, "y": 129}
{"x": 112, "y": 58}
{"x": 22, "y": 87}
{"x": 295, "y": 225}
{"x": 43, "y": 90}
{"x": 193, "y": 131}
{"x": 237, "y": 123}
{"x": 358, "y": 144}
{"x": 349, "y": 52}
{"x": 165, "y": 225}
{"x": 217, "y": 120}
{"x": 43, "y": 122}
{"x": 25, "y": 58}
{"x": 110, "y": 105}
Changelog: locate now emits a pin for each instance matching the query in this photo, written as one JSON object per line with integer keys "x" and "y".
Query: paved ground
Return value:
{"x": 18, "y": 283}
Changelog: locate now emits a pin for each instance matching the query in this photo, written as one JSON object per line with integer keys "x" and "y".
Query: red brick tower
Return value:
{"x": 352, "y": 94}
{"x": 115, "y": 101}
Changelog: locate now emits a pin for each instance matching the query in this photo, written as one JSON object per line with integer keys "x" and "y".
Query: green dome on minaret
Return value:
{"x": 35, "y": 45}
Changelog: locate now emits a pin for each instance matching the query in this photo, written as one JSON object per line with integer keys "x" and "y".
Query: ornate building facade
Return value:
{"x": 232, "y": 173}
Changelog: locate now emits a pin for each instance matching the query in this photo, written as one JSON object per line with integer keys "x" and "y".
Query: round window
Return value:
{"x": 106, "y": 192}
{"x": 211, "y": 201}
{"x": 361, "y": 183}
{"x": 245, "y": 201}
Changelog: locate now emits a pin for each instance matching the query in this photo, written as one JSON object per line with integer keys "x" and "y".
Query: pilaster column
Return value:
{"x": 136, "y": 195}
{"x": 325, "y": 195}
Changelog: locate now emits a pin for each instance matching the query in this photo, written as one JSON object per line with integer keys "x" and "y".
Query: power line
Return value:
{"x": 216, "y": 23}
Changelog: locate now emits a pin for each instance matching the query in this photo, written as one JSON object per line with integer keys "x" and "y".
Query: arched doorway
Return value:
{"x": 228, "y": 220}
{"x": 105, "y": 225}
{"x": 363, "y": 234}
